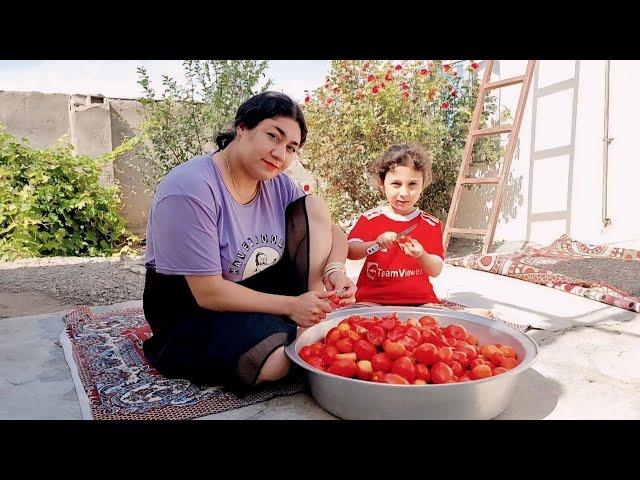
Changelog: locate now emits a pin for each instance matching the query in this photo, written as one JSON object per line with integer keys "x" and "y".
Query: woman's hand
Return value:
{"x": 387, "y": 239}
{"x": 310, "y": 308}
{"x": 412, "y": 248}
{"x": 338, "y": 282}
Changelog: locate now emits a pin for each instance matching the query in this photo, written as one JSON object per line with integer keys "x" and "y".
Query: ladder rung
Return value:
{"x": 476, "y": 180}
{"x": 470, "y": 231}
{"x": 504, "y": 83}
{"x": 492, "y": 131}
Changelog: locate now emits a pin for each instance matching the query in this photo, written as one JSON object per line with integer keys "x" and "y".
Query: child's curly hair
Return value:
{"x": 407, "y": 155}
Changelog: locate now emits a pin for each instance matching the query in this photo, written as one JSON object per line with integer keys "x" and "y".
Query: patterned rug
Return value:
{"x": 114, "y": 381}
{"x": 602, "y": 273}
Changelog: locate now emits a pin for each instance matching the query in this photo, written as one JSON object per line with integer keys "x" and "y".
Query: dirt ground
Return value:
{"x": 22, "y": 304}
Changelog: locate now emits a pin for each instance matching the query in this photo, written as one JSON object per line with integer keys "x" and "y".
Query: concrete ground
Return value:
{"x": 587, "y": 368}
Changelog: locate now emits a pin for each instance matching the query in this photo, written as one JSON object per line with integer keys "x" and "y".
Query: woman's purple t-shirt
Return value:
{"x": 195, "y": 226}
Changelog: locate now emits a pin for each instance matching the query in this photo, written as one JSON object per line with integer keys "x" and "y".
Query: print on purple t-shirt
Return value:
{"x": 195, "y": 226}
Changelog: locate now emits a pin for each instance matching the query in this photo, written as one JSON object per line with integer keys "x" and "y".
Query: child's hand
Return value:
{"x": 412, "y": 248}
{"x": 387, "y": 239}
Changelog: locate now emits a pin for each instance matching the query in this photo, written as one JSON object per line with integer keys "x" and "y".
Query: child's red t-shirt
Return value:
{"x": 391, "y": 277}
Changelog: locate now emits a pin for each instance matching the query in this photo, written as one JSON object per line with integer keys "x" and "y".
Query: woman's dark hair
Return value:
{"x": 408, "y": 155}
{"x": 260, "y": 107}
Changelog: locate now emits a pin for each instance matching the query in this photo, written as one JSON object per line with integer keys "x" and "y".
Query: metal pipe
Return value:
{"x": 606, "y": 221}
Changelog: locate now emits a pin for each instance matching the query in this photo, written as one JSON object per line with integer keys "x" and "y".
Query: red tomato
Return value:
{"x": 364, "y": 350}
{"x": 457, "y": 368}
{"x": 498, "y": 371}
{"x": 422, "y": 372}
{"x": 418, "y": 381}
{"x": 496, "y": 358}
{"x": 461, "y": 358}
{"x": 343, "y": 368}
{"x": 305, "y": 352}
{"x": 445, "y": 354}
{"x": 474, "y": 363}
{"x": 409, "y": 344}
{"x": 508, "y": 352}
{"x": 376, "y": 335}
{"x": 316, "y": 362}
{"x": 395, "y": 379}
{"x": 404, "y": 367}
{"x": 434, "y": 337}
{"x": 470, "y": 351}
{"x": 427, "y": 320}
{"x": 489, "y": 350}
{"x": 509, "y": 363}
{"x": 441, "y": 373}
{"x": 393, "y": 349}
{"x": 414, "y": 334}
{"x": 344, "y": 345}
{"x": 329, "y": 355}
{"x": 397, "y": 333}
{"x": 455, "y": 331}
{"x": 472, "y": 340}
{"x": 353, "y": 335}
{"x": 426, "y": 353}
{"x": 412, "y": 322}
{"x": 464, "y": 378}
{"x": 388, "y": 323}
{"x": 364, "y": 370}
{"x": 332, "y": 336}
{"x": 381, "y": 361}
{"x": 481, "y": 371}
{"x": 378, "y": 376}
{"x": 317, "y": 349}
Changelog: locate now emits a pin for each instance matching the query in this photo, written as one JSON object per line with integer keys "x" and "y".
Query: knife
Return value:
{"x": 376, "y": 247}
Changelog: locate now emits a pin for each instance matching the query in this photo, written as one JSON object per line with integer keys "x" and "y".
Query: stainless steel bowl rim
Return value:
{"x": 291, "y": 352}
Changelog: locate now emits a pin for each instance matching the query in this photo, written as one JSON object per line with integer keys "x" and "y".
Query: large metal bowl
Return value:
{"x": 354, "y": 399}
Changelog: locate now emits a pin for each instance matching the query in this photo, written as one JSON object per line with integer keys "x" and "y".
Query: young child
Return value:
{"x": 398, "y": 272}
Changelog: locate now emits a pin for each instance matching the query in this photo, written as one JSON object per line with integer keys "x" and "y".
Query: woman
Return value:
{"x": 238, "y": 258}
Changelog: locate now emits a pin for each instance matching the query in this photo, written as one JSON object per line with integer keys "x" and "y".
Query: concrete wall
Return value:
{"x": 41, "y": 118}
{"x": 555, "y": 180}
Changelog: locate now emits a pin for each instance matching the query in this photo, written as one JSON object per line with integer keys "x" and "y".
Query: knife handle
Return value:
{"x": 373, "y": 249}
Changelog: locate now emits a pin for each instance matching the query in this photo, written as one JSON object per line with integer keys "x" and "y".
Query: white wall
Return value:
{"x": 556, "y": 175}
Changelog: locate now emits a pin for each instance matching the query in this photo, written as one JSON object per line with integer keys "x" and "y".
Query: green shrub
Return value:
{"x": 52, "y": 203}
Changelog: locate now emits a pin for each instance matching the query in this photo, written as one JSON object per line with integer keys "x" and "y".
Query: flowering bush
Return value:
{"x": 366, "y": 106}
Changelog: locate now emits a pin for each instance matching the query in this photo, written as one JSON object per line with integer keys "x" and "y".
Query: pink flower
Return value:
{"x": 445, "y": 105}
{"x": 329, "y": 101}
{"x": 375, "y": 89}
{"x": 306, "y": 187}
{"x": 424, "y": 71}
{"x": 371, "y": 78}
{"x": 307, "y": 99}
{"x": 398, "y": 67}
{"x": 388, "y": 76}
{"x": 336, "y": 90}
{"x": 446, "y": 67}
{"x": 474, "y": 65}
{"x": 382, "y": 85}
{"x": 454, "y": 93}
